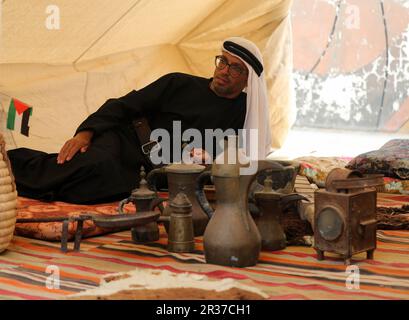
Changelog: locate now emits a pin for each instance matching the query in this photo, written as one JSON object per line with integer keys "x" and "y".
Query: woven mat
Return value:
{"x": 293, "y": 273}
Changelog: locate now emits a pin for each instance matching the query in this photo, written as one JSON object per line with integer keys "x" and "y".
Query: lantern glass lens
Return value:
{"x": 330, "y": 224}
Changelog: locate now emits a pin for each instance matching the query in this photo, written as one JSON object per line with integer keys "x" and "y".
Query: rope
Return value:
{"x": 386, "y": 65}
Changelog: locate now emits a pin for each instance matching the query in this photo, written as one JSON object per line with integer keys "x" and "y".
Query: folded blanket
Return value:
{"x": 316, "y": 169}
{"x": 391, "y": 160}
{"x": 393, "y": 218}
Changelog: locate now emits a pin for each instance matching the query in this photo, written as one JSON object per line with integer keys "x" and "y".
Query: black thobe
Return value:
{"x": 109, "y": 169}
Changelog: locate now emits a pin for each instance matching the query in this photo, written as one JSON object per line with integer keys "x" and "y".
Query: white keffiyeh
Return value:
{"x": 257, "y": 114}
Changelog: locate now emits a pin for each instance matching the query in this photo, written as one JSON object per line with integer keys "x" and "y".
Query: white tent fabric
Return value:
{"x": 102, "y": 49}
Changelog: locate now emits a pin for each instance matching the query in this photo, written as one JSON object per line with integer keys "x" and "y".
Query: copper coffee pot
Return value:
{"x": 178, "y": 176}
{"x": 180, "y": 237}
{"x": 144, "y": 200}
{"x": 271, "y": 205}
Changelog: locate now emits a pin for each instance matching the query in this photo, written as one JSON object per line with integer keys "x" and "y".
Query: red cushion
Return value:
{"x": 29, "y": 209}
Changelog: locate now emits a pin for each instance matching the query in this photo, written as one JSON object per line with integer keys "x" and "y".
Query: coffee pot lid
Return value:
{"x": 184, "y": 168}
{"x": 143, "y": 192}
{"x": 267, "y": 191}
{"x": 181, "y": 203}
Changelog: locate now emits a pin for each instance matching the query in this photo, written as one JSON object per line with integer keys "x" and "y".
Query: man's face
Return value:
{"x": 224, "y": 84}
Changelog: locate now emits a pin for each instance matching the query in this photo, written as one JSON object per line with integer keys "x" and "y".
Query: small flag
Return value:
{"x": 18, "y": 116}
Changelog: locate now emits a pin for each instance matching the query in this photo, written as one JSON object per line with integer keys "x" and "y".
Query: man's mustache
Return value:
{"x": 225, "y": 78}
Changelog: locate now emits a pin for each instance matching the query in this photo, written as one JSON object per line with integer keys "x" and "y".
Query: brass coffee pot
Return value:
{"x": 180, "y": 237}
{"x": 271, "y": 205}
{"x": 231, "y": 237}
{"x": 184, "y": 176}
{"x": 144, "y": 200}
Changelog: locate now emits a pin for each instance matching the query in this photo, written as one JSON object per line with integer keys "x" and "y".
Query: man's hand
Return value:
{"x": 200, "y": 156}
{"x": 80, "y": 142}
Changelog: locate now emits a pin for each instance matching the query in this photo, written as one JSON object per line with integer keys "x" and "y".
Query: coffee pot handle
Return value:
{"x": 158, "y": 203}
{"x": 122, "y": 204}
{"x": 152, "y": 176}
{"x": 200, "y": 194}
{"x": 151, "y": 180}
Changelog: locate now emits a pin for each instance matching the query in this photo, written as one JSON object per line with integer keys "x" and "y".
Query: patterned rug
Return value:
{"x": 391, "y": 200}
{"x": 292, "y": 273}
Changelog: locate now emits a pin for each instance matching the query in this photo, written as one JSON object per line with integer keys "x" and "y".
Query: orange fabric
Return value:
{"x": 51, "y": 231}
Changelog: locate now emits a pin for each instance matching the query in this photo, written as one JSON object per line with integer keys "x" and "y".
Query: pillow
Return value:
{"x": 51, "y": 231}
{"x": 316, "y": 169}
{"x": 391, "y": 160}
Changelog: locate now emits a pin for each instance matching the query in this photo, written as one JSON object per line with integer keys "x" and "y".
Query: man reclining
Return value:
{"x": 101, "y": 162}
